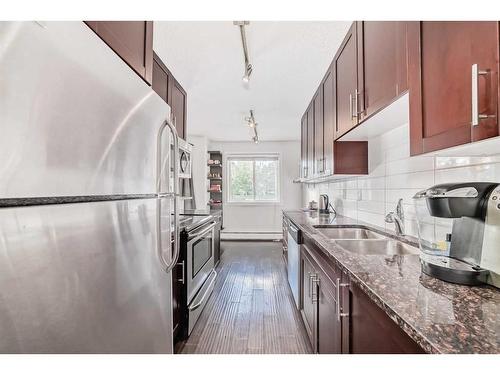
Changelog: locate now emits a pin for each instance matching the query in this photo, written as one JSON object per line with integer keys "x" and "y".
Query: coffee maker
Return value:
{"x": 459, "y": 232}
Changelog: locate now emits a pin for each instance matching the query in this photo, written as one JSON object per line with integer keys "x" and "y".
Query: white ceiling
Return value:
{"x": 289, "y": 59}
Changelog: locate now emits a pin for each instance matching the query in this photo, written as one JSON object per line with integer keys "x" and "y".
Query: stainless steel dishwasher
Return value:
{"x": 293, "y": 264}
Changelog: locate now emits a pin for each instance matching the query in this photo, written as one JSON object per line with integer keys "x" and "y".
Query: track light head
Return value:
{"x": 248, "y": 73}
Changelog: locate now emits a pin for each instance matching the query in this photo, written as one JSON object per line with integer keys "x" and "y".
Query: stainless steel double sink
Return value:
{"x": 364, "y": 241}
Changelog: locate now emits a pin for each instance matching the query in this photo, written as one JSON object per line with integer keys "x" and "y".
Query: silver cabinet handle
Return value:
{"x": 476, "y": 116}
{"x": 350, "y": 107}
{"x": 354, "y": 107}
{"x": 355, "y": 115}
{"x": 309, "y": 284}
{"x": 315, "y": 292}
{"x": 357, "y": 112}
{"x": 321, "y": 165}
{"x": 159, "y": 171}
{"x": 337, "y": 286}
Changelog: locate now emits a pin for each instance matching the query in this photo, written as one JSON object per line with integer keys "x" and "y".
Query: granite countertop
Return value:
{"x": 441, "y": 317}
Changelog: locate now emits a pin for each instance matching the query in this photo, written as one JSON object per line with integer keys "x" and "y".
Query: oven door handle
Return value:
{"x": 201, "y": 232}
{"x": 206, "y": 294}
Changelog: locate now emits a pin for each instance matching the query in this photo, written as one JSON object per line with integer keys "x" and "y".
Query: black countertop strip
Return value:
{"x": 40, "y": 201}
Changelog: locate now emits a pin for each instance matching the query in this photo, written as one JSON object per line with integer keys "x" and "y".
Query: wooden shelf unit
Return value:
{"x": 215, "y": 177}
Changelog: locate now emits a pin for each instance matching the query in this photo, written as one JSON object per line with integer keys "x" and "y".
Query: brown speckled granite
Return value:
{"x": 441, "y": 317}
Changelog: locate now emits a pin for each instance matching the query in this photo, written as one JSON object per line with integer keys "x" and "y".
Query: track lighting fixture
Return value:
{"x": 253, "y": 125}
{"x": 248, "y": 66}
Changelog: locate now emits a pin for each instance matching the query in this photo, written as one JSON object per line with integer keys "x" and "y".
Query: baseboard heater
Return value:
{"x": 251, "y": 236}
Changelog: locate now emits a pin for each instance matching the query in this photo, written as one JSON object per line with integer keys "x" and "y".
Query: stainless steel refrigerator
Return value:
{"x": 88, "y": 205}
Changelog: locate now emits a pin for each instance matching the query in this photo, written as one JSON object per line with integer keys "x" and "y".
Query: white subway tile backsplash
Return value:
{"x": 410, "y": 165}
{"x": 401, "y": 151}
{"x": 371, "y": 218}
{"x": 371, "y": 182}
{"x": 371, "y": 195}
{"x": 464, "y": 161}
{"x": 375, "y": 207}
{"x": 484, "y": 172}
{"x": 351, "y": 194}
{"x": 416, "y": 180}
{"x": 394, "y": 175}
{"x": 393, "y": 195}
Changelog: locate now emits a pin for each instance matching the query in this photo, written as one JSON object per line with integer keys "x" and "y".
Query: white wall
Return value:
{"x": 199, "y": 158}
{"x": 394, "y": 174}
{"x": 262, "y": 218}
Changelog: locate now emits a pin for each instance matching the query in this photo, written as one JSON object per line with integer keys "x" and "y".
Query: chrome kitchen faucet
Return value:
{"x": 397, "y": 218}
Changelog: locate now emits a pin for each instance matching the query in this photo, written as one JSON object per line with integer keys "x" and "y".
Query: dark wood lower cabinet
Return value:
{"x": 329, "y": 320}
{"x": 341, "y": 318}
{"x": 371, "y": 331}
{"x": 307, "y": 303}
{"x": 319, "y": 305}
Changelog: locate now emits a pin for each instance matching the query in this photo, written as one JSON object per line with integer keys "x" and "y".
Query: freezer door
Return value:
{"x": 84, "y": 278}
{"x": 74, "y": 118}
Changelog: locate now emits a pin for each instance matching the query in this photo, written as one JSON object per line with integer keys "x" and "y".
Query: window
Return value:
{"x": 253, "y": 179}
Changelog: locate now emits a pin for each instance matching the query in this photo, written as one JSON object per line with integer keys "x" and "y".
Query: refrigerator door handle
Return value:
{"x": 159, "y": 171}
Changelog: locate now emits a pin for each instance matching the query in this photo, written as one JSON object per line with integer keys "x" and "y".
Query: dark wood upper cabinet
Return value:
{"x": 328, "y": 120}
{"x": 382, "y": 64}
{"x": 319, "y": 157}
{"x": 329, "y": 323}
{"x": 442, "y": 93}
{"x": 179, "y": 107}
{"x": 346, "y": 84}
{"x": 350, "y": 157}
{"x": 131, "y": 40}
{"x": 160, "y": 82}
{"x": 310, "y": 140}
{"x": 303, "y": 146}
{"x": 169, "y": 89}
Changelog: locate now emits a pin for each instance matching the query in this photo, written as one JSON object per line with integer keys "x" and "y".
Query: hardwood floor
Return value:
{"x": 251, "y": 309}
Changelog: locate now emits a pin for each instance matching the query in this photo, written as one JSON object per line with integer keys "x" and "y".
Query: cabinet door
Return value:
{"x": 329, "y": 323}
{"x": 382, "y": 63}
{"x": 328, "y": 122}
{"x": 160, "y": 81}
{"x": 442, "y": 93}
{"x": 310, "y": 140}
{"x": 319, "y": 158}
{"x": 346, "y": 84}
{"x": 303, "y": 146}
{"x": 131, "y": 40}
{"x": 308, "y": 296}
{"x": 178, "y": 103}
{"x": 372, "y": 331}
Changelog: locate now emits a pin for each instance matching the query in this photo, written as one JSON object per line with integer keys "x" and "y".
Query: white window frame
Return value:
{"x": 251, "y": 156}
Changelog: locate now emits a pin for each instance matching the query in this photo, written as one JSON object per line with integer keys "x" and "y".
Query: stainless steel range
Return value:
{"x": 198, "y": 267}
